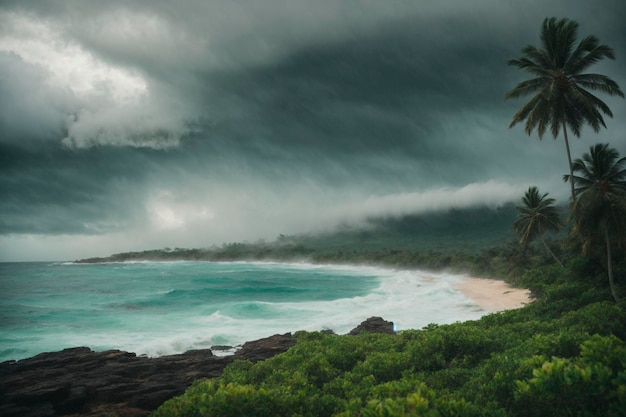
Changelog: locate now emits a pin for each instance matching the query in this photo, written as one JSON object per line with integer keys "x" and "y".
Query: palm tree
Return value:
{"x": 537, "y": 216}
{"x": 599, "y": 210}
{"x": 561, "y": 91}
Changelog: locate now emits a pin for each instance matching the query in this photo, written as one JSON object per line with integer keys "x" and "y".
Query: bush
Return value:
{"x": 593, "y": 384}
{"x": 422, "y": 403}
{"x": 208, "y": 398}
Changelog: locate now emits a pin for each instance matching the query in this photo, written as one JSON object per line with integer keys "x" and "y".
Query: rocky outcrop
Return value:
{"x": 81, "y": 382}
{"x": 266, "y": 348}
{"x": 373, "y": 325}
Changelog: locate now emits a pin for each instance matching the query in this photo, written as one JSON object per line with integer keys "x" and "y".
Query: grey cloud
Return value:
{"x": 52, "y": 190}
{"x": 263, "y": 117}
{"x": 30, "y": 109}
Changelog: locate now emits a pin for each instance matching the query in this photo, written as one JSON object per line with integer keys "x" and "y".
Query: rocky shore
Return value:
{"x": 80, "y": 382}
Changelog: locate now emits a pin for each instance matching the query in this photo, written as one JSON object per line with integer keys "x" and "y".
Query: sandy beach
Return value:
{"x": 493, "y": 295}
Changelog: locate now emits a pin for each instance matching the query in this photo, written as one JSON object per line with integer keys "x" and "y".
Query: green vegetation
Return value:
{"x": 563, "y": 354}
{"x": 561, "y": 89}
{"x": 599, "y": 210}
{"x": 537, "y": 216}
{"x": 468, "y": 229}
{"x": 477, "y": 240}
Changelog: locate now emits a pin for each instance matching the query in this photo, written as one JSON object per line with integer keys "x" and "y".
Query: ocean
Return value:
{"x": 157, "y": 308}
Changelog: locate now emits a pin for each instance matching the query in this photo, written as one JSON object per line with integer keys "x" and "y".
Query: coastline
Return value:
{"x": 489, "y": 294}
{"x": 492, "y": 294}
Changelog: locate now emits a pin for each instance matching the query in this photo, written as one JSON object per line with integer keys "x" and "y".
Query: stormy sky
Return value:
{"x": 138, "y": 124}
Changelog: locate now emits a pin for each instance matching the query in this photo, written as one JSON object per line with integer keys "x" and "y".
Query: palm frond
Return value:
{"x": 592, "y": 100}
{"x": 584, "y": 106}
{"x": 540, "y": 57}
{"x": 563, "y": 98}
{"x": 536, "y": 216}
{"x": 559, "y": 111}
{"x": 587, "y": 44}
{"x": 538, "y": 116}
{"x": 529, "y": 65}
{"x": 598, "y": 82}
{"x": 594, "y": 56}
{"x": 525, "y": 110}
{"x": 558, "y": 38}
{"x": 526, "y": 87}
{"x": 573, "y": 118}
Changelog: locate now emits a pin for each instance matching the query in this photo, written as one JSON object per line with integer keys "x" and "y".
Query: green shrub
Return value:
{"x": 421, "y": 403}
{"x": 593, "y": 384}
{"x": 209, "y": 398}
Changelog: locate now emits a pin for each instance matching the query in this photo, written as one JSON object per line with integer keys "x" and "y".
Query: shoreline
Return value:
{"x": 493, "y": 294}
{"x": 490, "y": 294}
{"x": 479, "y": 295}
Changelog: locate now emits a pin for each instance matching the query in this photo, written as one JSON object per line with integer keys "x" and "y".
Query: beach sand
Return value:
{"x": 493, "y": 295}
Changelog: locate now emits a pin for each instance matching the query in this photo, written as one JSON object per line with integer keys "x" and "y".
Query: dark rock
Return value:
{"x": 221, "y": 347}
{"x": 265, "y": 348}
{"x": 32, "y": 410}
{"x": 74, "y": 401}
{"x": 374, "y": 325}
{"x": 151, "y": 400}
{"x": 80, "y": 382}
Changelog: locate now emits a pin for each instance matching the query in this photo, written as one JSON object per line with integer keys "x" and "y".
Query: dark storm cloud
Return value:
{"x": 198, "y": 122}
{"x": 52, "y": 190}
{"x": 29, "y": 109}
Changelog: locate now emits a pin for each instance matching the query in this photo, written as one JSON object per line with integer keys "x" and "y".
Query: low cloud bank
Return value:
{"x": 173, "y": 220}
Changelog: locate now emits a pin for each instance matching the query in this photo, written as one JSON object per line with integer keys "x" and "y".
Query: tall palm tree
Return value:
{"x": 537, "y": 216}
{"x": 599, "y": 210}
{"x": 560, "y": 89}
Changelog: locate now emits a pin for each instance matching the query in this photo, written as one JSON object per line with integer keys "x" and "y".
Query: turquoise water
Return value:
{"x": 164, "y": 308}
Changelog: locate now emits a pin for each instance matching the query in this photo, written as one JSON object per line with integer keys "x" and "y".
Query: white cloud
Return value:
{"x": 32, "y": 106}
{"x": 41, "y": 44}
{"x": 491, "y": 194}
{"x": 176, "y": 218}
{"x": 229, "y": 213}
{"x": 101, "y": 103}
{"x": 145, "y": 122}
{"x": 167, "y": 212}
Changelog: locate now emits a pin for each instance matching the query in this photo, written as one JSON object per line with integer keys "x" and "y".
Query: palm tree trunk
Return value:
{"x": 545, "y": 245}
{"x": 569, "y": 161}
{"x": 609, "y": 264}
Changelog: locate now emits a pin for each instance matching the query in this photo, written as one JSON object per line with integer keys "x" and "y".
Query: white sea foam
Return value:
{"x": 157, "y": 318}
{"x": 410, "y": 299}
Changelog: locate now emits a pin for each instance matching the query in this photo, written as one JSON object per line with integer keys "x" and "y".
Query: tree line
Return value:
{"x": 562, "y": 98}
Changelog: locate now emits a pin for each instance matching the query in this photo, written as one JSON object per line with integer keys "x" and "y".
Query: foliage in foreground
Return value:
{"x": 563, "y": 355}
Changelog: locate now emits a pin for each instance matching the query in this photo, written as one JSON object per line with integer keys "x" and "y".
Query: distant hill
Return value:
{"x": 456, "y": 230}
{"x": 467, "y": 230}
